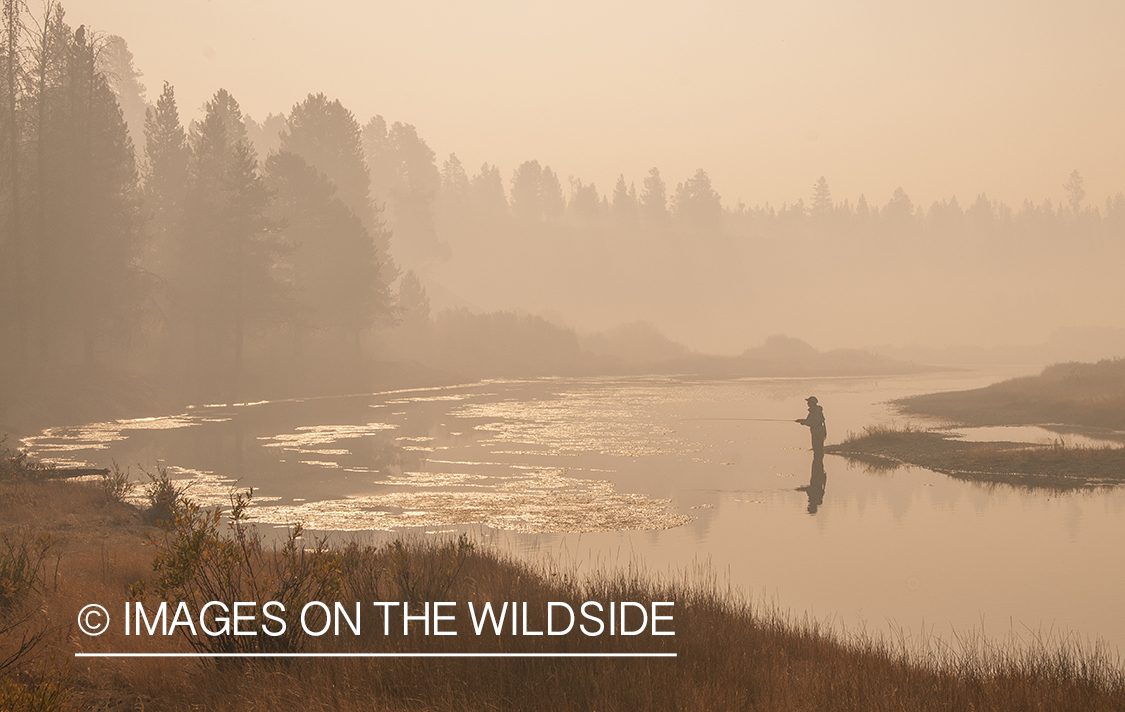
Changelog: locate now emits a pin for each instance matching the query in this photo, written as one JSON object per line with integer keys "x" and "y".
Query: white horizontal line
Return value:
{"x": 375, "y": 655}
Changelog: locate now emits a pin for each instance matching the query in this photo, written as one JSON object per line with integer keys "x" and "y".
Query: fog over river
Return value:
{"x": 668, "y": 474}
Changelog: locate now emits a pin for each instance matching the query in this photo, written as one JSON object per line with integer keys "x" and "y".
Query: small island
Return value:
{"x": 1077, "y": 398}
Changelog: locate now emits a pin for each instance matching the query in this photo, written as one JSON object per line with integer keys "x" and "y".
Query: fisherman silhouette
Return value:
{"x": 815, "y": 423}
{"x": 817, "y": 480}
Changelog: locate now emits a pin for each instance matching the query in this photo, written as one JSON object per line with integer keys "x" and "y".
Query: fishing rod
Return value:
{"x": 768, "y": 420}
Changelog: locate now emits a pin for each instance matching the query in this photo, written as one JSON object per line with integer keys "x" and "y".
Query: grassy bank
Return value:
{"x": 67, "y": 544}
{"x": 1055, "y": 466}
{"x": 1088, "y": 395}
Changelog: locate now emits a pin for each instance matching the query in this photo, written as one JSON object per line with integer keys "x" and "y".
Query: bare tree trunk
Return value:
{"x": 42, "y": 64}
{"x": 12, "y": 27}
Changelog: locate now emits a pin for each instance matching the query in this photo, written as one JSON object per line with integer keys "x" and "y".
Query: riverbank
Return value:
{"x": 84, "y": 546}
{"x": 1085, "y": 398}
{"x": 1056, "y": 466}
{"x": 1065, "y": 396}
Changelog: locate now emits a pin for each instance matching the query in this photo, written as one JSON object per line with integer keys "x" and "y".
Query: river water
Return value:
{"x": 669, "y": 474}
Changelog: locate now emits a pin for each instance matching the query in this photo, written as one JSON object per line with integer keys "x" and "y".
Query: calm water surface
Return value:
{"x": 667, "y": 473}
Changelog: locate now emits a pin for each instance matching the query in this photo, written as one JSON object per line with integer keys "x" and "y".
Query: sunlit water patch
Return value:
{"x": 534, "y": 502}
{"x": 59, "y": 446}
{"x": 617, "y": 421}
{"x": 312, "y": 438}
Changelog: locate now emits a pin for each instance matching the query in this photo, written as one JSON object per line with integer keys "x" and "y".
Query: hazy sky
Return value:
{"x": 941, "y": 98}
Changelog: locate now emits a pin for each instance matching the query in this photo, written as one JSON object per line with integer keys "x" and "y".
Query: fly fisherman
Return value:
{"x": 815, "y": 422}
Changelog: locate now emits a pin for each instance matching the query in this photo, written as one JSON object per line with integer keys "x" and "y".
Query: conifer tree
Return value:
{"x": 527, "y": 182}
{"x": 654, "y": 198}
{"x": 696, "y": 203}
{"x": 624, "y": 200}
{"x": 334, "y": 263}
{"x": 102, "y": 235}
{"x": 224, "y": 280}
{"x": 821, "y": 198}
{"x": 487, "y": 189}
{"x": 328, "y": 137}
{"x": 166, "y": 154}
{"x": 115, "y": 62}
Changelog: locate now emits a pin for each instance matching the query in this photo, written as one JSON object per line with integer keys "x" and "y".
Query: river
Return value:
{"x": 670, "y": 474}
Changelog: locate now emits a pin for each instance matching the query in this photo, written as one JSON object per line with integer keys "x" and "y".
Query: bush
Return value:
{"x": 115, "y": 484}
{"x": 15, "y": 465}
{"x": 197, "y": 563}
{"x": 165, "y": 498}
{"x": 22, "y": 561}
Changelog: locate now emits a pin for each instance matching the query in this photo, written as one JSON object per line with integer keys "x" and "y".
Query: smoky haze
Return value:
{"x": 549, "y": 188}
{"x": 945, "y": 102}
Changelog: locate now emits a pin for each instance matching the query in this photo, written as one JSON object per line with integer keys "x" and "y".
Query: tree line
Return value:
{"x": 131, "y": 238}
{"x": 184, "y": 251}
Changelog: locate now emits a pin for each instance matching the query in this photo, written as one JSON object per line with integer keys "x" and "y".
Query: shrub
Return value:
{"x": 22, "y": 560}
{"x": 165, "y": 498}
{"x": 196, "y": 562}
{"x": 115, "y": 484}
{"x": 15, "y": 465}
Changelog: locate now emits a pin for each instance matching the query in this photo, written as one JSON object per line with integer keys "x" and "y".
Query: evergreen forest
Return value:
{"x": 152, "y": 254}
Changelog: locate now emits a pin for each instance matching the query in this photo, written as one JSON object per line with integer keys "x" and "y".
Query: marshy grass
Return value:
{"x": 1056, "y": 466}
{"x": 1091, "y": 395}
{"x": 731, "y": 655}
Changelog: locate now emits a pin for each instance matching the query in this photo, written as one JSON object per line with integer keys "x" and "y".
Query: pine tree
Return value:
{"x": 327, "y": 136}
{"x": 696, "y": 202}
{"x": 821, "y": 198}
{"x": 415, "y": 187}
{"x": 334, "y": 263}
{"x": 454, "y": 186}
{"x": 487, "y": 190}
{"x": 224, "y": 278}
{"x": 624, "y": 200}
{"x": 1075, "y": 192}
{"x": 115, "y": 62}
{"x": 898, "y": 214}
{"x": 105, "y": 235}
{"x": 551, "y": 195}
{"x": 654, "y": 198}
{"x": 526, "y": 190}
{"x": 585, "y": 203}
{"x": 453, "y": 205}
{"x": 165, "y": 188}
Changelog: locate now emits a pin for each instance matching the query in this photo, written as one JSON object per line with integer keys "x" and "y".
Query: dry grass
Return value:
{"x": 1056, "y": 466}
{"x": 731, "y": 656}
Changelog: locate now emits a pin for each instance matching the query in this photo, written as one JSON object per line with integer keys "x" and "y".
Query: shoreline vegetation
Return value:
{"x": 1071, "y": 395}
{"x": 1055, "y": 466}
{"x": 1085, "y": 398}
{"x": 68, "y": 543}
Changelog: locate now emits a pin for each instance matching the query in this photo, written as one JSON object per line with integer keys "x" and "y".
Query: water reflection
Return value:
{"x": 817, "y": 480}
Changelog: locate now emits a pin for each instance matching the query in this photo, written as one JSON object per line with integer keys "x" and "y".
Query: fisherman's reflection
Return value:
{"x": 815, "y": 488}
